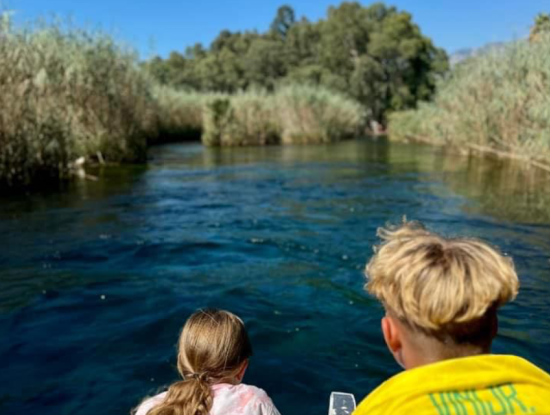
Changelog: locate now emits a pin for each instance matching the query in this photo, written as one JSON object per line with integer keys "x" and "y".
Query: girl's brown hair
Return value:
{"x": 213, "y": 346}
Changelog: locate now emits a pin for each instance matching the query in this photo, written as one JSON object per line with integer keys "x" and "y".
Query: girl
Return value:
{"x": 213, "y": 355}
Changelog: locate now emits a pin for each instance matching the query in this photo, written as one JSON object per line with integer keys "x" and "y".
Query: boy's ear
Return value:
{"x": 494, "y": 326}
{"x": 392, "y": 334}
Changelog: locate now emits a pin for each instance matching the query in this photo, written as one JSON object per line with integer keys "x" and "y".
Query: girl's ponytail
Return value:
{"x": 187, "y": 397}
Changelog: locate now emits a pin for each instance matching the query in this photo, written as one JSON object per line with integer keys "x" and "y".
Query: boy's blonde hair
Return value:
{"x": 213, "y": 345}
{"x": 445, "y": 287}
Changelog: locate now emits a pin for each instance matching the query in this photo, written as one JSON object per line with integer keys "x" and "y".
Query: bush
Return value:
{"x": 496, "y": 103}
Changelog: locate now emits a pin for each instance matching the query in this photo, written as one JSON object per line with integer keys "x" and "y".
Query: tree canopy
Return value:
{"x": 375, "y": 54}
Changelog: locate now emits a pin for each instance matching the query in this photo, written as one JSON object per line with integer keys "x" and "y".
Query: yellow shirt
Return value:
{"x": 476, "y": 385}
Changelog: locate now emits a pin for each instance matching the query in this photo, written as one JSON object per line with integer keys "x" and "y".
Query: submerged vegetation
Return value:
{"x": 496, "y": 103}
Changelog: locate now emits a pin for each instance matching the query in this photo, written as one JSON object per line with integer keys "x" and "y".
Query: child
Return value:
{"x": 212, "y": 358}
{"x": 441, "y": 298}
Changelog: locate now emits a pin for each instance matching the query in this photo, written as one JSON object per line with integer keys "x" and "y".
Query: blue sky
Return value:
{"x": 167, "y": 25}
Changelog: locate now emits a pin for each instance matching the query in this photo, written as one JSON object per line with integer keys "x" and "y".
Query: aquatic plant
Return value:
{"x": 496, "y": 103}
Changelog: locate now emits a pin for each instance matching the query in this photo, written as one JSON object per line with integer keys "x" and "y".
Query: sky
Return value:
{"x": 161, "y": 26}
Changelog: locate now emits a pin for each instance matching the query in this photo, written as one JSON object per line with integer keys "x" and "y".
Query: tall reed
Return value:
{"x": 495, "y": 103}
{"x": 179, "y": 114}
{"x": 316, "y": 115}
{"x": 292, "y": 115}
{"x": 67, "y": 93}
{"x": 243, "y": 119}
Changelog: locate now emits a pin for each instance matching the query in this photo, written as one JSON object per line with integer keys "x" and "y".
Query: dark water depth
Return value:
{"x": 97, "y": 279}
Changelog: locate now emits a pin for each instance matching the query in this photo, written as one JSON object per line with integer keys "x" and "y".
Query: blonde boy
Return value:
{"x": 441, "y": 297}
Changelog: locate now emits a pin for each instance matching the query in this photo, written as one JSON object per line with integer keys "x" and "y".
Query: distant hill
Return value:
{"x": 463, "y": 54}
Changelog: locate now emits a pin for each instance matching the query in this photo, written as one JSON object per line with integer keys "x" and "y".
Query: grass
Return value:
{"x": 496, "y": 103}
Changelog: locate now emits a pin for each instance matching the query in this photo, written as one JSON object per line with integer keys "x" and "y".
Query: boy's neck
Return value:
{"x": 437, "y": 352}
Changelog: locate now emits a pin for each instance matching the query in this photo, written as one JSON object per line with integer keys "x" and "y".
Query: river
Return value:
{"x": 97, "y": 278}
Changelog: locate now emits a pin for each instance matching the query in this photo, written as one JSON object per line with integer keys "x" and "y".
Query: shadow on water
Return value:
{"x": 97, "y": 278}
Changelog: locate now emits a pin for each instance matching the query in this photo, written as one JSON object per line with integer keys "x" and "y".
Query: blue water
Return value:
{"x": 97, "y": 279}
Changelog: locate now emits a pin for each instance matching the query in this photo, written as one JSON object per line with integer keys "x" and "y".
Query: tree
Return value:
{"x": 302, "y": 44}
{"x": 344, "y": 37}
{"x": 386, "y": 62}
{"x": 283, "y": 21}
{"x": 157, "y": 68}
{"x": 264, "y": 63}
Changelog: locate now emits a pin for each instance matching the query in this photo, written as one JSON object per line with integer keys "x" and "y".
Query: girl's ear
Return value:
{"x": 242, "y": 370}
{"x": 392, "y": 335}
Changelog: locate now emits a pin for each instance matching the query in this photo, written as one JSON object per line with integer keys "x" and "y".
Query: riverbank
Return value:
{"x": 496, "y": 104}
{"x": 71, "y": 97}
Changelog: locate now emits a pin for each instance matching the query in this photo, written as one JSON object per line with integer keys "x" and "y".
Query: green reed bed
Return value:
{"x": 293, "y": 114}
{"x": 317, "y": 115}
{"x": 68, "y": 94}
{"x": 243, "y": 119}
{"x": 497, "y": 103}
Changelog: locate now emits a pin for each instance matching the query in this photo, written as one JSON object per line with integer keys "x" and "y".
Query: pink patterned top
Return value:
{"x": 229, "y": 399}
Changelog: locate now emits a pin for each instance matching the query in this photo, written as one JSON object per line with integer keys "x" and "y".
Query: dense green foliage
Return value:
{"x": 67, "y": 94}
{"x": 496, "y": 103}
{"x": 374, "y": 54}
